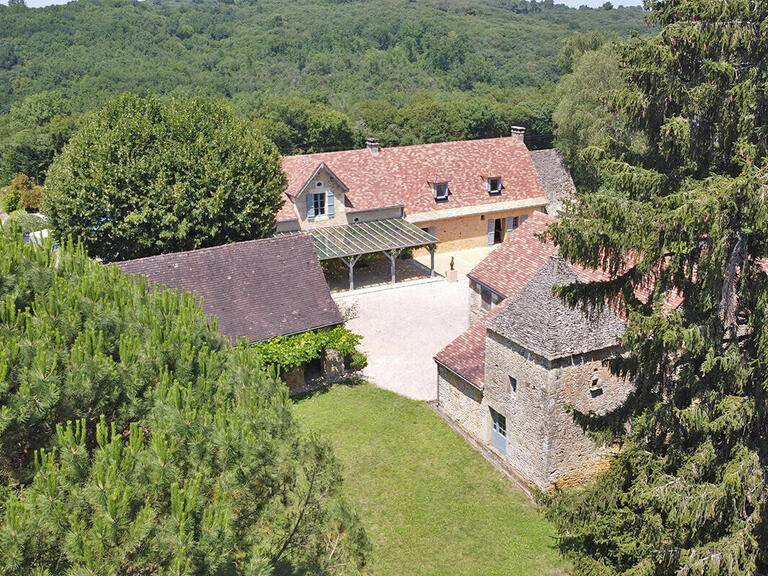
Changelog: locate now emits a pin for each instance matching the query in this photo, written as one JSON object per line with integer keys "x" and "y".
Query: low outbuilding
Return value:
{"x": 258, "y": 289}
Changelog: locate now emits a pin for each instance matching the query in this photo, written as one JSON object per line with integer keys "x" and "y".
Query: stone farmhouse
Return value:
{"x": 466, "y": 194}
{"x": 507, "y": 380}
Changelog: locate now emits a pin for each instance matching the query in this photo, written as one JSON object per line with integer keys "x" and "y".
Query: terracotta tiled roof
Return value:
{"x": 466, "y": 355}
{"x": 541, "y": 322}
{"x": 512, "y": 265}
{"x": 367, "y": 177}
{"x": 466, "y": 166}
{"x": 403, "y": 176}
{"x": 258, "y": 289}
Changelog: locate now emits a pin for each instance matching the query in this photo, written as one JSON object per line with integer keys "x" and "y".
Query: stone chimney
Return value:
{"x": 519, "y": 133}
{"x": 373, "y": 146}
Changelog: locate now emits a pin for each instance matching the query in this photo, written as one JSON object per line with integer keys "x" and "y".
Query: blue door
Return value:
{"x": 499, "y": 432}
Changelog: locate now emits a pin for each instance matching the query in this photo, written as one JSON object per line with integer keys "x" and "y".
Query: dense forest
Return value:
{"x": 401, "y": 70}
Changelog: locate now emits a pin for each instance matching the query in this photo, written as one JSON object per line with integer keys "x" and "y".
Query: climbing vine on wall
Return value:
{"x": 287, "y": 352}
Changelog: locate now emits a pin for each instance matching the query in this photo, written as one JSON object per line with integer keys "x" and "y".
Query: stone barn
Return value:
{"x": 509, "y": 379}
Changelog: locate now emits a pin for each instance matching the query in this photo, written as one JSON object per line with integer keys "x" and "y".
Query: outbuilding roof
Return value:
{"x": 258, "y": 289}
{"x": 513, "y": 264}
{"x": 555, "y": 178}
{"x": 541, "y": 322}
{"x": 404, "y": 176}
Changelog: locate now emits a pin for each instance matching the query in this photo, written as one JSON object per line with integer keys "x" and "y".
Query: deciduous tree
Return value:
{"x": 148, "y": 175}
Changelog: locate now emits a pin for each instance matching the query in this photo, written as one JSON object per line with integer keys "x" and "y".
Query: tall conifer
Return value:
{"x": 687, "y": 493}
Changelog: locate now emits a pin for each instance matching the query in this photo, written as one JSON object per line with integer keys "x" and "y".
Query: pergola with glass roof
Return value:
{"x": 390, "y": 237}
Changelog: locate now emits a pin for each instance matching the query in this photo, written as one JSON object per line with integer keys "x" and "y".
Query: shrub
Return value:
{"x": 355, "y": 361}
{"x": 287, "y": 352}
{"x": 9, "y": 202}
{"x": 31, "y": 199}
{"x": 25, "y": 222}
{"x": 22, "y": 193}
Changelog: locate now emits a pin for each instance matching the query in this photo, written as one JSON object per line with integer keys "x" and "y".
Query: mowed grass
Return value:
{"x": 429, "y": 502}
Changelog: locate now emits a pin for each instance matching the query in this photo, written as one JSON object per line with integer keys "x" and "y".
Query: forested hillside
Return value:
{"x": 339, "y": 51}
{"x": 401, "y": 70}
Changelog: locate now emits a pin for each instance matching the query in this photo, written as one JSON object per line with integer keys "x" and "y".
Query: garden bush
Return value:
{"x": 25, "y": 222}
{"x": 288, "y": 352}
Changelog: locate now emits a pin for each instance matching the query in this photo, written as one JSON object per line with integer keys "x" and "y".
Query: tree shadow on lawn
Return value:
{"x": 311, "y": 393}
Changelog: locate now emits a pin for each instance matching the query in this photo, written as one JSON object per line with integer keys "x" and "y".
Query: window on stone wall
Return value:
{"x": 512, "y": 385}
{"x": 596, "y": 385}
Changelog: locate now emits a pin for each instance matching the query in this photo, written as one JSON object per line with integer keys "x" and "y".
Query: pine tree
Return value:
{"x": 136, "y": 440}
{"x": 687, "y": 220}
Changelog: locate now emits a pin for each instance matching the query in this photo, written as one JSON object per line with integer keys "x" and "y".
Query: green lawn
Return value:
{"x": 430, "y": 503}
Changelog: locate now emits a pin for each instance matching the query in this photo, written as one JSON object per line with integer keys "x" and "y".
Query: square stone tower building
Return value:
{"x": 541, "y": 358}
{"x": 512, "y": 378}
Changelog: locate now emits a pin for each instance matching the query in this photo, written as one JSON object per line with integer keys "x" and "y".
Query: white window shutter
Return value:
{"x": 523, "y": 218}
{"x": 510, "y": 224}
{"x": 491, "y": 230}
{"x": 329, "y": 201}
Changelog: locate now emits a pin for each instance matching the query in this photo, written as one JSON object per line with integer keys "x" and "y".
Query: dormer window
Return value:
{"x": 441, "y": 190}
{"x": 494, "y": 185}
{"x": 318, "y": 201}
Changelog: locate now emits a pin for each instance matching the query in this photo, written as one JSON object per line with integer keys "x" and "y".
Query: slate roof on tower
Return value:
{"x": 404, "y": 176}
{"x": 541, "y": 322}
{"x": 258, "y": 289}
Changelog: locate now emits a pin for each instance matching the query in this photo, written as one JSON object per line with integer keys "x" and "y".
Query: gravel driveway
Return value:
{"x": 404, "y": 327}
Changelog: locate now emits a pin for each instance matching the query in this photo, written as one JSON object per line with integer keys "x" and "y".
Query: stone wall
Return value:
{"x": 575, "y": 455}
{"x": 543, "y": 441}
{"x": 467, "y": 231}
{"x": 528, "y": 409}
{"x": 476, "y": 311}
{"x": 463, "y": 403}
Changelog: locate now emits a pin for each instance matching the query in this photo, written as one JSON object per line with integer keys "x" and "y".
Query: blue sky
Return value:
{"x": 574, "y": 3}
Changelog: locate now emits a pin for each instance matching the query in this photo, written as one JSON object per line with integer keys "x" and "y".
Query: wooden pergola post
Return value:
{"x": 392, "y": 255}
{"x": 351, "y": 261}
{"x": 431, "y": 248}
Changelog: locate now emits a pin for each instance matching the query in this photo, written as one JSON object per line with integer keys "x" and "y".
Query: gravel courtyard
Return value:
{"x": 403, "y": 327}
